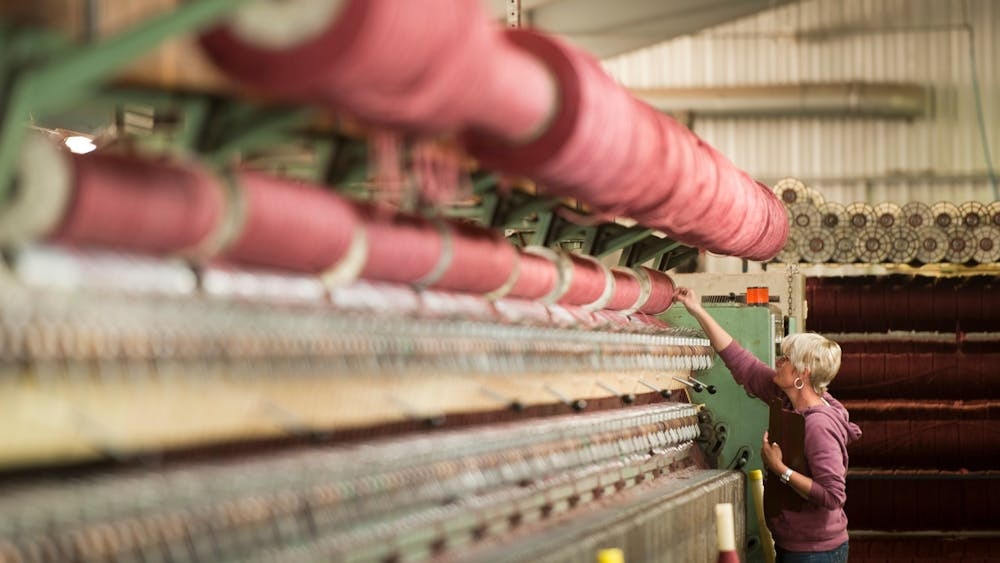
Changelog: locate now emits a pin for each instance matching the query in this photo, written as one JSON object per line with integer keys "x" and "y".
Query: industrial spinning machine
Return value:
{"x": 334, "y": 286}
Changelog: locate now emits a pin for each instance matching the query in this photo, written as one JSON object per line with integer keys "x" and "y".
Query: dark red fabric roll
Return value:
{"x": 922, "y": 500}
{"x": 932, "y": 547}
{"x": 944, "y": 306}
{"x": 909, "y": 303}
{"x": 897, "y": 306}
{"x": 871, "y": 300}
{"x": 915, "y": 411}
{"x": 849, "y": 311}
{"x": 920, "y": 293}
{"x": 970, "y": 309}
{"x": 914, "y": 375}
{"x": 926, "y": 434}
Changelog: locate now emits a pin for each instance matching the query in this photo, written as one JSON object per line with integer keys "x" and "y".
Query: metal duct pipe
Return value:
{"x": 803, "y": 99}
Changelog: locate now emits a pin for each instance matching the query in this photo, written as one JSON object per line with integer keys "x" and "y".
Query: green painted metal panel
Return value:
{"x": 734, "y": 413}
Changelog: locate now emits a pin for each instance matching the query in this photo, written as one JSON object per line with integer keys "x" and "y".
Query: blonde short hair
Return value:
{"x": 818, "y": 354}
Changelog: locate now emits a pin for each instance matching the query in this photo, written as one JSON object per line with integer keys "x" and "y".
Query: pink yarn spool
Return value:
{"x": 558, "y": 265}
{"x": 628, "y": 290}
{"x": 661, "y": 294}
{"x": 159, "y": 207}
{"x": 778, "y": 233}
{"x": 591, "y": 284}
{"x": 539, "y": 277}
{"x": 483, "y": 262}
{"x": 292, "y": 226}
{"x": 430, "y": 66}
{"x": 612, "y": 151}
{"x": 449, "y": 256}
{"x": 388, "y": 259}
{"x": 536, "y": 156}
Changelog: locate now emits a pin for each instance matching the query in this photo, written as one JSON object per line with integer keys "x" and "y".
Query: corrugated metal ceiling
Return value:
{"x": 606, "y": 28}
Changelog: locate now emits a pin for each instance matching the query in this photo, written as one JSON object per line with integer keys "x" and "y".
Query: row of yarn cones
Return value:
{"x": 943, "y": 232}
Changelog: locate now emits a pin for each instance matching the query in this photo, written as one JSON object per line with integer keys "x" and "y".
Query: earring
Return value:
{"x": 798, "y": 383}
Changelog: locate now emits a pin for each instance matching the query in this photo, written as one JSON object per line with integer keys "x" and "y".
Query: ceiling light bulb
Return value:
{"x": 79, "y": 144}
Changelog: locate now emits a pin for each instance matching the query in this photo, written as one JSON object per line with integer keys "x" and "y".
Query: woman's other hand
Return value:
{"x": 770, "y": 452}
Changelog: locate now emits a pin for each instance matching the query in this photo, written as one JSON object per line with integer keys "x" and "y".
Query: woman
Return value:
{"x": 816, "y": 530}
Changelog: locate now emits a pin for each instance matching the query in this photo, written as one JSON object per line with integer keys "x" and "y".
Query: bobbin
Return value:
{"x": 509, "y": 284}
{"x": 609, "y": 284}
{"x": 285, "y": 24}
{"x": 106, "y": 198}
{"x": 647, "y": 306}
{"x": 444, "y": 260}
{"x": 281, "y": 61}
{"x": 42, "y": 198}
{"x": 349, "y": 267}
{"x": 564, "y": 269}
{"x": 645, "y": 287}
{"x": 483, "y": 261}
{"x": 231, "y": 225}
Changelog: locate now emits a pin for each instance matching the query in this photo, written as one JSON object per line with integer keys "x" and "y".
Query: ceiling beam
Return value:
{"x": 605, "y": 28}
{"x": 595, "y": 16}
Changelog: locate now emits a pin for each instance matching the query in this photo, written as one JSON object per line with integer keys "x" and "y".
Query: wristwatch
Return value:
{"x": 786, "y": 476}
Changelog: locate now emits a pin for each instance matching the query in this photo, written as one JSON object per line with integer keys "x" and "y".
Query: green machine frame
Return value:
{"x": 733, "y": 422}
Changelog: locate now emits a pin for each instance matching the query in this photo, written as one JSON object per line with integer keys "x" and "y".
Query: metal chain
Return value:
{"x": 793, "y": 270}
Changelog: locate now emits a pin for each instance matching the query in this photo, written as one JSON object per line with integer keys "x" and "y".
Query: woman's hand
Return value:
{"x": 770, "y": 452}
{"x": 717, "y": 335}
{"x": 687, "y": 297}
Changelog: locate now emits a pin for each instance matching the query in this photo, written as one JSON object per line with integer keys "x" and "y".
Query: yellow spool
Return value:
{"x": 612, "y": 555}
{"x": 757, "y": 490}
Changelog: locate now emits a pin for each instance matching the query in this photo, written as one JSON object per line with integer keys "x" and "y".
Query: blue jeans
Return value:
{"x": 835, "y": 555}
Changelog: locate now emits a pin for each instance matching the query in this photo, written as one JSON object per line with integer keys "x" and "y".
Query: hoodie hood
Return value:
{"x": 838, "y": 413}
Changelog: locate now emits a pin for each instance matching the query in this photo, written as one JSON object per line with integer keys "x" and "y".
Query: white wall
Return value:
{"x": 850, "y": 158}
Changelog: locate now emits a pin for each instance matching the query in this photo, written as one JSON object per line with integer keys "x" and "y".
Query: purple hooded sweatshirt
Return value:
{"x": 821, "y": 525}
